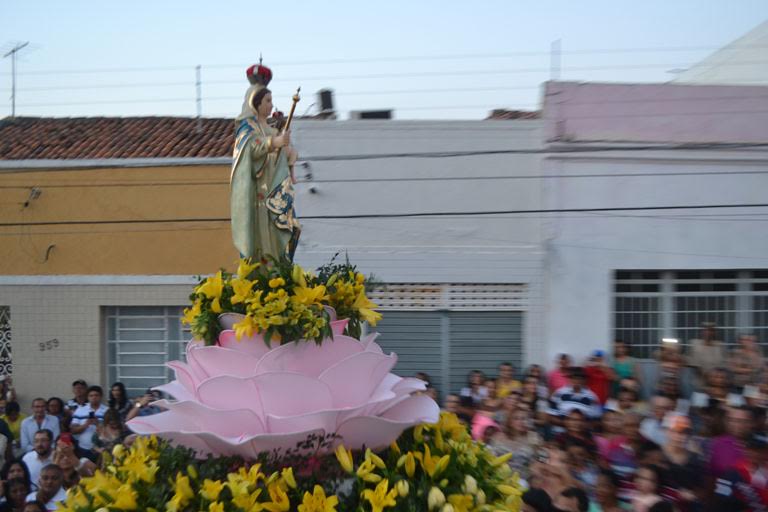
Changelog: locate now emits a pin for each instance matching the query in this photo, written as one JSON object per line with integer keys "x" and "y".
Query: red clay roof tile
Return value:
{"x": 35, "y": 138}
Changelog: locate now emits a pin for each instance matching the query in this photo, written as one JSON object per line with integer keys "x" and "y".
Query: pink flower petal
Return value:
{"x": 200, "y": 418}
{"x": 416, "y": 408}
{"x": 176, "y": 390}
{"x": 222, "y": 361}
{"x": 184, "y": 375}
{"x": 229, "y": 393}
{"x": 338, "y": 326}
{"x": 370, "y": 431}
{"x": 353, "y": 380}
{"x": 320, "y": 420}
{"x": 308, "y": 358}
{"x": 252, "y": 345}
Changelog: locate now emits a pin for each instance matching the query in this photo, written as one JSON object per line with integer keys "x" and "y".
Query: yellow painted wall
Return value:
{"x": 135, "y": 195}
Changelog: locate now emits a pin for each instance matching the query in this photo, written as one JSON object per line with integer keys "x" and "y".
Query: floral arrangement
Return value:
{"x": 432, "y": 467}
{"x": 281, "y": 301}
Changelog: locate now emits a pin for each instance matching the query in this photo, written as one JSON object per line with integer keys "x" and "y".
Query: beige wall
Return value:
{"x": 116, "y": 194}
{"x": 71, "y": 314}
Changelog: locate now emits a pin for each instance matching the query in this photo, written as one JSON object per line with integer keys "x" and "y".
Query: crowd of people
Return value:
{"x": 597, "y": 438}
{"x": 46, "y": 452}
{"x": 589, "y": 438}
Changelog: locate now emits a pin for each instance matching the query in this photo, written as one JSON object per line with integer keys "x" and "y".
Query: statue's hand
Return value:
{"x": 279, "y": 141}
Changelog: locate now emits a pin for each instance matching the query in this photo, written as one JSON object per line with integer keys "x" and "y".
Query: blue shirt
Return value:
{"x": 29, "y": 427}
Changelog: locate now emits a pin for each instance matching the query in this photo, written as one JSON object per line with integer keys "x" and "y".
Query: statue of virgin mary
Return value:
{"x": 261, "y": 183}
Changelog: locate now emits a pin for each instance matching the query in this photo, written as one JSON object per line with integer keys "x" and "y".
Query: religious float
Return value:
{"x": 282, "y": 404}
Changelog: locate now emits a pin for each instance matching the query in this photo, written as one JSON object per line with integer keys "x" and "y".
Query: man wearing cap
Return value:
{"x": 574, "y": 396}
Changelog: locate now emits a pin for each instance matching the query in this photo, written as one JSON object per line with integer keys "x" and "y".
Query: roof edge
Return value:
{"x": 88, "y": 163}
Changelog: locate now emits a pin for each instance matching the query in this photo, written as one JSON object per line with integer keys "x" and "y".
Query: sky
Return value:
{"x": 423, "y": 59}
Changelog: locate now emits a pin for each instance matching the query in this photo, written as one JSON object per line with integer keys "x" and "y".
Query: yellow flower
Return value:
{"x": 380, "y": 498}
{"x": 410, "y": 464}
{"x": 402, "y": 488}
{"x": 447, "y": 508}
{"x": 461, "y": 502}
{"x": 508, "y": 489}
{"x": 375, "y": 459}
{"x": 287, "y": 474}
{"x": 395, "y": 447}
{"x": 276, "y": 282}
{"x": 280, "y": 501}
{"x": 498, "y": 461}
{"x": 435, "y": 498}
{"x": 216, "y": 507}
{"x": 309, "y": 296}
{"x": 248, "y": 501}
{"x": 213, "y": 286}
{"x": 118, "y": 451}
{"x": 211, "y": 489}
{"x": 470, "y": 484}
{"x": 182, "y": 494}
{"x": 366, "y": 308}
{"x": 297, "y": 274}
{"x": 433, "y": 466}
{"x": 244, "y": 268}
{"x": 190, "y": 314}
{"x": 125, "y": 498}
{"x": 318, "y": 502}
{"x": 480, "y": 498}
{"x": 245, "y": 327}
{"x": 242, "y": 290}
{"x": 344, "y": 457}
{"x": 365, "y": 471}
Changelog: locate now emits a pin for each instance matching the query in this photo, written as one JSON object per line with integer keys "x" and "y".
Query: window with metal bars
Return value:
{"x": 650, "y": 305}
{"x": 140, "y": 340}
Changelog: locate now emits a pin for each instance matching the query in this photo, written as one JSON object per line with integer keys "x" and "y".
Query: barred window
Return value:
{"x": 650, "y": 305}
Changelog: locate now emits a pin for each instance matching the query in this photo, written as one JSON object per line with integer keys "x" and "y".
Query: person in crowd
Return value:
{"x": 85, "y": 421}
{"x": 50, "y": 490}
{"x": 483, "y": 427}
{"x": 653, "y": 428}
{"x": 623, "y": 365}
{"x": 647, "y": 484}
{"x": 144, "y": 405}
{"x": 536, "y": 500}
{"x": 558, "y": 377}
{"x": 119, "y": 401}
{"x": 41, "y": 455}
{"x": 746, "y": 363}
{"x": 109, "y": 433}
{"x": 56, "y": 408}
{"x": 727, "y": 450}
{"x": 34, "y": 506}
{"x": 551, "y": 472}
{"x": 38, "y": 421}
{"x": 583, "y": 466}
{"x": 15, "y": 494}
{"x": 606, "y": 492}
{"x": 509, "y": 405}
{"x": 575, "y": 395}
{"x": 474, "y": 393}
{"x": 71, "y": 466}
{"x": 577, "y": 431}
{"x": 491, "y": 402}
{"x": 537, "y": 372}
{"x": 626, "y": 401}
{"x": 683, "y": 465}
{"x": 745, "y": 485}
{"x": 13, "y": 418}
{"x": 573, "y": 499}
{"x": 518, "y": 439}
{"x": 80, "y": 398}
{"x": 707, "y": 353}
{"x": 506, "y": 382}
{"x": 14, "y": 469}
{"x": 625, "y": 456}
{"x": 599, "y": 376}
{"x": 611, "y": 433}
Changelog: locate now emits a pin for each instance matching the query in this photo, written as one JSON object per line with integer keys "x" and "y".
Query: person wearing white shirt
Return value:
{"x": 38, "y": 421}
{"x": 50, "y": 490}
{"x": 85, "y": 421}
{"x": 40, "y": 456}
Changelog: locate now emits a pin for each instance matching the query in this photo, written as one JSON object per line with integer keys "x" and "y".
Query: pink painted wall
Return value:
{"x": 592, "y": 112}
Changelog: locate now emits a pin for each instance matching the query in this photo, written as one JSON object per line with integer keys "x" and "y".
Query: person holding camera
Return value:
{"x": 85, "y": 421}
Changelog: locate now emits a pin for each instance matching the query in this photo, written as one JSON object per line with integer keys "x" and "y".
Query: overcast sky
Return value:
{"x": 125, "y": 58}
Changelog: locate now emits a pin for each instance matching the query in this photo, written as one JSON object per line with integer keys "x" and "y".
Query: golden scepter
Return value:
{"x": 287, "y": 126}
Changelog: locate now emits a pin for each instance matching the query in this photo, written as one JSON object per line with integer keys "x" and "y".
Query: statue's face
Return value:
{"x": 265, "y": 107}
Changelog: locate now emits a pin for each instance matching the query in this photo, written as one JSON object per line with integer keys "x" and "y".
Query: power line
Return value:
{"x": 395, "y": 215}
{"x": 404, "y": 58}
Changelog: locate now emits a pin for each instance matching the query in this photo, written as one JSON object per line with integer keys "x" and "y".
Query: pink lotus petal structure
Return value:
{"x": 244, "y": 398}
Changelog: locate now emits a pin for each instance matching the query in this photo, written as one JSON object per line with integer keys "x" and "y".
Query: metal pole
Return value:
{"x": 199, "y": 86}
{"x": 12, "y": 53}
